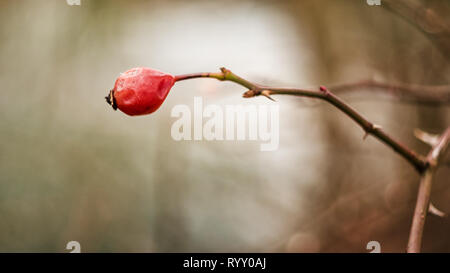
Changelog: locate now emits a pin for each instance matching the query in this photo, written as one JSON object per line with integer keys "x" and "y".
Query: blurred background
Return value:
{"x": 72, "y": 169}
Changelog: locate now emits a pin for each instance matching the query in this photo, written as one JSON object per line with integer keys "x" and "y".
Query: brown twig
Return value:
{"x": 425, "y": 166}
{"x": 419, "y": 162}
{"x": 423, "y": 197}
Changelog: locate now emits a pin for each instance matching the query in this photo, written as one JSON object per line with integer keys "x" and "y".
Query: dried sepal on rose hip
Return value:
{"x": 140, "y": 91}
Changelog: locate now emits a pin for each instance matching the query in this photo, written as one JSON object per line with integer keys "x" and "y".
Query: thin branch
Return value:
{"x": 424, "y": 193}
{"x": 416, "y": 160}
{"x": 420, "y": 94}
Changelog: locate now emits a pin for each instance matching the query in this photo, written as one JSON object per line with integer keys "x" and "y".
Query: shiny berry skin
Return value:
{"x": 140, "y": 91}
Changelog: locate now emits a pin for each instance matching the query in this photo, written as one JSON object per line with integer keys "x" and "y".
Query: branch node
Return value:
{"x": 324, "y": 90}
{"x": 253, "y": 93}
{"x": 250, "y": 94}
{"x": 225, "y": 72}
{"x": 432, "y": 163}
{"x": 371, "y": 129}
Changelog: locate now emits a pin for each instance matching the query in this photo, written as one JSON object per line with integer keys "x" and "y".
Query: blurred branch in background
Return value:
{"x": 420, "y": 94}
{"x": 426, "y": 19}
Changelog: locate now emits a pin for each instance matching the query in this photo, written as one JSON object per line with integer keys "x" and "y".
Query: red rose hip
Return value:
{"x": 140, "y": 91}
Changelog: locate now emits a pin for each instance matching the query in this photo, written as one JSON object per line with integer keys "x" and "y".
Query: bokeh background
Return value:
{"x": 73, "y": 169}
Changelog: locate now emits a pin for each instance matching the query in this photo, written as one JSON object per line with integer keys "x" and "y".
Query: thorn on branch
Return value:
{"x": 366, "y": 134}
{"x": 425, "y": 137}
{"x": 435, "y": 211}
{"x": 266, "y": 93}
